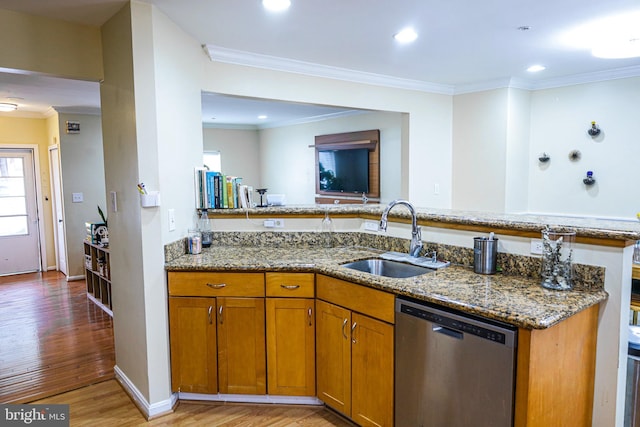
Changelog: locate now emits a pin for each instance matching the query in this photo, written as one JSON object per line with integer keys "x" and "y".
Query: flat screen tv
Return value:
{"x": 344, "y": 171}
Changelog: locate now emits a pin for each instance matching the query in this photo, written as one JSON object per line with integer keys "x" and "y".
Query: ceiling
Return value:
{"x": 461, "y": 45}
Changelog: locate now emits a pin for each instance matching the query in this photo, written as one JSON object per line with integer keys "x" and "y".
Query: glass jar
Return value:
{"x": 194, "y": 242}
{"x": 557, "y": 259}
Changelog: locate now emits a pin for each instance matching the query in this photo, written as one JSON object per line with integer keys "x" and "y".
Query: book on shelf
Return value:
{"x": 215, "y": 190}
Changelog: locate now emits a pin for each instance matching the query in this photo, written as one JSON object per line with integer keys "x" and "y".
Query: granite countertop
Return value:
{"x": 516, "y": 300}
{"x": 616, "y": 229}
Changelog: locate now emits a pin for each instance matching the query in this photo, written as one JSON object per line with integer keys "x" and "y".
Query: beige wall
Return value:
{"x": 52, "y": 47}
{"x": 287, "y": 163}
{"x": 21, "y": 131}
{"x": 82, "y": 164}
{"x": 239, "y": 151}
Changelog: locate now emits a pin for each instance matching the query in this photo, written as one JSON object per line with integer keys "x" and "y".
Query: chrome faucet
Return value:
{"x": 416, "y": 235}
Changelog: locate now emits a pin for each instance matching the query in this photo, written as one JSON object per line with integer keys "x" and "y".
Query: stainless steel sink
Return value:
{"x": 386, "y": 268}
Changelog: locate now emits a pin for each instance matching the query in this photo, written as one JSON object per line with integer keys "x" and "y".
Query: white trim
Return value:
{"x": 99, "y": 303}
{"x": 148, "y": 410}
{"x": 42, "y": 242}
{"x": 73, "y": 278}
{"x": 232, "y": 56}
{"x": 252, "y": 398}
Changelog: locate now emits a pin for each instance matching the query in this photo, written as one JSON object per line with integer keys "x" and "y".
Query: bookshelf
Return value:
{"x": 98, "y": 275}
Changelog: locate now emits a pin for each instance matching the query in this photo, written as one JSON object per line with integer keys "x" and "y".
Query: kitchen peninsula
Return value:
{"x": 513, "y": 296}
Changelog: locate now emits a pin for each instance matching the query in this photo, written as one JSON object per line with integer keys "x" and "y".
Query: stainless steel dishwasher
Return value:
{"x": 452, "y": 369}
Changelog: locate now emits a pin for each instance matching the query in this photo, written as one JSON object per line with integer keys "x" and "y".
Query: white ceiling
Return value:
{"x": 462, "y": 44}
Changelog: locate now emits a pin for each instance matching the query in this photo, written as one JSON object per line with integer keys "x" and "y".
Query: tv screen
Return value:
{"x": 344, "y": 171}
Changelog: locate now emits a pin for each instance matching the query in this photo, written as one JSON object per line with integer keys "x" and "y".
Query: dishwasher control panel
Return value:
{"x": 460, "y": 323}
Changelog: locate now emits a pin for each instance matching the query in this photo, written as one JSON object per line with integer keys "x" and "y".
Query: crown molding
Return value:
{"x": 283, "y": 123}
{"x": 93, "y": 111}
{"x": 594, "y": 77}
{"x": 232, "y": 56}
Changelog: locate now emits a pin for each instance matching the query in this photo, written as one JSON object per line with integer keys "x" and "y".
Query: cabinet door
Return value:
{"x": 291, "y": 347}
{"x": 372, "y": 371}
{"x": 333, "y": 356}
{"x": 192, "y": 329}
{"x": 241, "y": 345}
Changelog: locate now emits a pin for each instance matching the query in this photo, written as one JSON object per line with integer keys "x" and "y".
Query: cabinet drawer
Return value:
{"x": 214, "y": 284}
{"x": 298, "y": 285}
{"x": 369, "y": 301}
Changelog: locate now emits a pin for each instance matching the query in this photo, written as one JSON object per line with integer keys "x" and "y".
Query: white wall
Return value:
{"x": 288, "y": 163}
{"x": 239, "y": 152}
{"x": 480, "y": 150}
{"x": 82, "y": 164}
{"x": 559, "y": 122}
{"x": 426, "y": 151}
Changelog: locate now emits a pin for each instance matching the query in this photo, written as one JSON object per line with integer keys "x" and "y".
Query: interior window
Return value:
{"x": 212, "y": 161}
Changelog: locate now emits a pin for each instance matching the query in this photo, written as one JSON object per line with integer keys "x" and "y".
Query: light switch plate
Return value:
{"x": 172, "y": 219}
{"x": 77, "y": 197}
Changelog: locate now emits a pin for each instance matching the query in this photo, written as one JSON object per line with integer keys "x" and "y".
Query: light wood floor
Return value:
{"x": 106, "y": 404}
{"x": 52, "y": 338}
{"x": 56, "y": 346}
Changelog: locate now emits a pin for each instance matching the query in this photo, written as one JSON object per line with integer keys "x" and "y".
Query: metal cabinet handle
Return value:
{"x": 344, "y": 323}
{"x": 220, "y": 315}
{"x": 289, "y": 286}
{"x": 309, "y": 314}
{"x": 209, "y": 314}
{"x": 216, "y": 285}
{"x": 353, "y": 333}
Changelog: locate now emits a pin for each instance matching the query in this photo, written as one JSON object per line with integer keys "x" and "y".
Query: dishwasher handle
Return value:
{"x": 446, "y": 331}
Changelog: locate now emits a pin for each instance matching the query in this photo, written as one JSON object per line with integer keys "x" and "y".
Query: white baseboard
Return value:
{"x": 148, "y": 410}
{"x": 252, "y": 398}
{"x": 52, "y": 268}
{"x": 72, "y": 278}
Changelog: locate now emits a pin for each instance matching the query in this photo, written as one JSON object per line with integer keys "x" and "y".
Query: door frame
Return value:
{"x": 57, "y": 239}
{"x": 38, "y": 194}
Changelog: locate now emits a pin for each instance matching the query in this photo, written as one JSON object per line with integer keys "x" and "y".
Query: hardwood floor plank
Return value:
{"x": 52, "y": 338}
{"x": 106, "y": 404}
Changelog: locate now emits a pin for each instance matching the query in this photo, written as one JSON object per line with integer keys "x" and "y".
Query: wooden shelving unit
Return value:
{"x": 98, "y": 275}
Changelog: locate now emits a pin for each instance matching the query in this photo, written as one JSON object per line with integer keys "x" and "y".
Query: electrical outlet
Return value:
{"x": 536, "y": 246}
{"x": 371, "y": 225}
{"x": 268, "y": 223}
{"x": 278, "y": 223}
{"x": 172, "y": 219}
{"x": 77, "y": 197}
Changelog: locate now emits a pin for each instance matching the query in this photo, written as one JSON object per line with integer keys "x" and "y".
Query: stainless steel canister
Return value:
{"x": 485, "y": 253}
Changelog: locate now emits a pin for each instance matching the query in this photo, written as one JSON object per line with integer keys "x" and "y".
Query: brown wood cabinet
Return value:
{"x": 291, "y": 357}
{"x": 555, "y": 373}
{"x": 355, "y": 351}
{"x": 217, "y": 332}
{"x": 241, "y": 346}
{"x": 192, "y": 328}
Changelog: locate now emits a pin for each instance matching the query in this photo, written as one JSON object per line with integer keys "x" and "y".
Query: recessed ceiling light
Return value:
{"x": 406, "y": 36}
{"x": 276, "y": 5}
{"x": 5, "y": 106}
{"x": 620, "y": 49}
{"x": 536, "y": 68}
{"x": 609, "y": 37}
{"x": 262, "y": 116}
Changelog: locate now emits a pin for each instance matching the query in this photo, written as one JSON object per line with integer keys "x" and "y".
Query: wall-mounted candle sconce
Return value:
{"x": 594, "y": 130}
{"x": 589, "y": 180}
